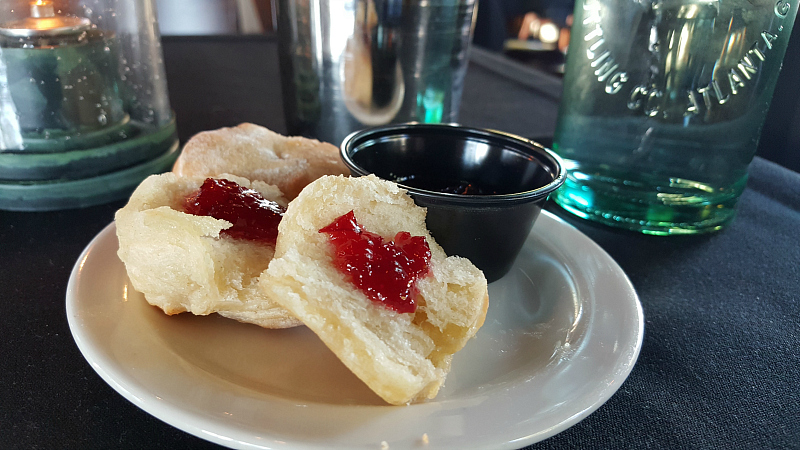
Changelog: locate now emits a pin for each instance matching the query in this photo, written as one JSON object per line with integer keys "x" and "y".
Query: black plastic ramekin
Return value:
{"x": 483, "y": 189}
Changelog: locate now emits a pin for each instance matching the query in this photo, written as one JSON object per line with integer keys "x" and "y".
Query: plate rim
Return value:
{"x": 206, "y": 429}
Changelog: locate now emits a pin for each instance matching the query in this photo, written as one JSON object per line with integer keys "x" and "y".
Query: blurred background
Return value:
{"x": 536, "y": 33}
{"x": 532, "y": 33}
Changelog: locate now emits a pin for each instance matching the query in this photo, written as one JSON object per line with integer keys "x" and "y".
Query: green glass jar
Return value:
{"x": 85, "y": 114}
{"x": 663, "y": 106}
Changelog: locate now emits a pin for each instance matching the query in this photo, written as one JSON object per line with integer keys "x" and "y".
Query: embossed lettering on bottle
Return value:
{"x": 606, "y": 69}
{"x": 679, "y": 85}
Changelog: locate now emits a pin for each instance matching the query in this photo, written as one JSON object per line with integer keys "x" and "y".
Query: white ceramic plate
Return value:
{"x": 563, "y": 331}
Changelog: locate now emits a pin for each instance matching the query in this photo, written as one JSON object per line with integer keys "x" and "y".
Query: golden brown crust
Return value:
{"x": 257, "y": 153}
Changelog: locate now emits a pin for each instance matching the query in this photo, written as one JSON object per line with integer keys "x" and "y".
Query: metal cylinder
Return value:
{"x": 350, "y": 64}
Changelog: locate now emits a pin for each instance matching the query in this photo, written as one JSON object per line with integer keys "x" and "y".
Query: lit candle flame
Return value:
{"x": 42, "y": 8}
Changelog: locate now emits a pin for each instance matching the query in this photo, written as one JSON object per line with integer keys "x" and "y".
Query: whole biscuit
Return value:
{"x": 257, "y": 153}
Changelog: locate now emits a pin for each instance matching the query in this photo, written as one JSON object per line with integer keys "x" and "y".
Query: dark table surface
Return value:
{"x": 719, "y": 366}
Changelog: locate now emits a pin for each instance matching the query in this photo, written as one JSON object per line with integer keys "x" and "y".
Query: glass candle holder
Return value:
{"x": 84, "y": 111}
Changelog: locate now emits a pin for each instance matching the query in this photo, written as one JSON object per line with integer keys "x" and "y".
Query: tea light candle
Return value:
{"x": 84, "y": 110}
{"x": 44, "y": 22}
{"x": 61, "y": 78}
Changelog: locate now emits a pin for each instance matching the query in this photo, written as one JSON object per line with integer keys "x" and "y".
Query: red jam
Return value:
{"x": 253, "y": 217}
{"x": 386, "y": 272}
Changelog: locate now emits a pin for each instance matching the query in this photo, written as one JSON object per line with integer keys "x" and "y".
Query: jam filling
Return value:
{"x": 254, "y": 218}
{"x": 386, "y": 272}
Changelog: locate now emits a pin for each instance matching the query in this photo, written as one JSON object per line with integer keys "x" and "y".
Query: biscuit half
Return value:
{"x": 181, "y": 263}
{"x": 401, "y": 357}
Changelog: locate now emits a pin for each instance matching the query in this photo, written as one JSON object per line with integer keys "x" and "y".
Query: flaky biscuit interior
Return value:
{"x": 181, "y": 263}
{"x": 402, "y": 357}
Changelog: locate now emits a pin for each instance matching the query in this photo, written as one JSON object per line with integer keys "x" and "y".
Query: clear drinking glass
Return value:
{"x": 663, "y": 106}
{"x": 348, "y": 65}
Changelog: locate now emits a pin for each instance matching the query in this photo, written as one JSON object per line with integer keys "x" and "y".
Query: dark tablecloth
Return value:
{"x": 719, "y": 367}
